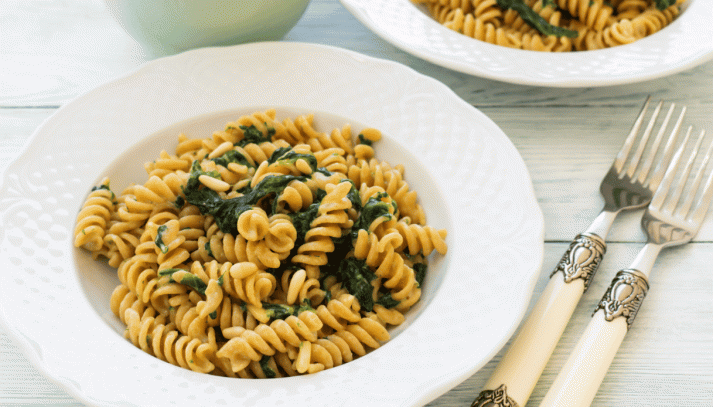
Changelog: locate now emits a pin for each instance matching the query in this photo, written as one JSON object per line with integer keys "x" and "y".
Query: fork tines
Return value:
{"x": 626, "y": 155}
{"x": 668, "y": 199}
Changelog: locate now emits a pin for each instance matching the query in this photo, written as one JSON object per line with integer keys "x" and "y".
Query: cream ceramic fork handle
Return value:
{"x": 517, "y": 373}
{"x": 582, "y": 374}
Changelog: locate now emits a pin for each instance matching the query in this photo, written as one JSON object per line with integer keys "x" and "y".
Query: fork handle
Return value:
{"x": 522, "y": 364}
{"x": 578, "y": 381}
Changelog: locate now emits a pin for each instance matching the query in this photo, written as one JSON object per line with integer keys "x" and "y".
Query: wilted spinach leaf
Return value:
{"x": 159, "y": 239}
{"x": 232, "y": 156}
{"x": 387, "y": 301}
{"x": 266, "y": 369}
{"x": 282, "y": 311}
{"x": 252, "y": 134}
{"x": 535, "y": 20}
{"x": 373, "y": 209}
{"x": 664, "y": 4}
{"x": 420, "y": 271}
{"x": 227, "y": 211}
{"x": 188, "y": 279}
{"x": 356, "y": 276}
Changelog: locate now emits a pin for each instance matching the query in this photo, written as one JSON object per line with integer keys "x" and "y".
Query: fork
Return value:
{"x": 668, "y": 221}
{"x": 629, "y": 184}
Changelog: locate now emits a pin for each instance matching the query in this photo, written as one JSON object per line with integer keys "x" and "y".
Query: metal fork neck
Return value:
{"x": 646, "y": 258}
{"x": 602, "y": 223}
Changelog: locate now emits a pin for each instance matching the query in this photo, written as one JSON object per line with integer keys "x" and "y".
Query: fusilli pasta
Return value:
{"x": 268, "y": 249}
{"x": 555, "y": 25}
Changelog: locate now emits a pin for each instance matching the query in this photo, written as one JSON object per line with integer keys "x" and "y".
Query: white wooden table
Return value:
{"x": 52, "y": 51}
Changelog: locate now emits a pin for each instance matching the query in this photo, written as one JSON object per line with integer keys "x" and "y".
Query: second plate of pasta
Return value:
{"x": 639, "y": 42}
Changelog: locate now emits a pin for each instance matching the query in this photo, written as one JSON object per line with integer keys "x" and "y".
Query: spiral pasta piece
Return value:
{"x": 166, "y": 164}
{"x": 245, "y": 346}
{"x": 373, "y": 173}
{"x": 296, "y": 287}
{"x": 619, "y": 33}
{"x": 297, "y": 196}
{"x": 653, "y": 20}
{"x": 332, "y": 218}
{"x": 93, "y": 218}
{"x": 167, "y": 344}
{"x": 421, "y": 239}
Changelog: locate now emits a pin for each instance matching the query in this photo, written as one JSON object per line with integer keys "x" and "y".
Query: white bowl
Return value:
{"x": 470, "y": 178}
{"x": 169, "y": 26}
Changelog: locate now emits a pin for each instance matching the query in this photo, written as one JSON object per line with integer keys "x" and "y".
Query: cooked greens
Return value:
{"x": 187, "y": 279}
{"x": 253, "y": 135}
{"x": 664, "y": 4}
{"x": 282, "y": 311}
{"x": 356, "y": 276}
{"x": 535, "y": 20}
{"x": 373, "y": 209}
{"x": 159, "y": 239}
{"x": 227, "y": 211}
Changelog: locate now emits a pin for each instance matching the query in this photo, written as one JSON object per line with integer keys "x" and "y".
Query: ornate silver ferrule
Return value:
{"x": 624, "y": 296}
{"x": 582, "y": 258}
{"x": 494, "y": 398}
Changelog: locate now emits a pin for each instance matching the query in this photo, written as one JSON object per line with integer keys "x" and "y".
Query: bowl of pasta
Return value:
{"x": 295, "y": 246}
{"x": 557, "y": 43}
{"x": 265, "y": 244}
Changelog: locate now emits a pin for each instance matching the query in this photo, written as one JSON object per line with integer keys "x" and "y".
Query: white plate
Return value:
{"x": 687, "y": 42}
{"x": 476, "y": 296}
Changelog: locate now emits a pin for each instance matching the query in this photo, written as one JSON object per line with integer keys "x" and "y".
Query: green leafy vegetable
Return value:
{"x": 179, "y": 202}
{"x": 227, "y": 211}
{"x": 373, "y": 209}
{"x": 277, "y": 154}
{"x": 291, "y": 156}
{"x": 420, "y": 271}
{"x": 364, "y": 140}
{"x": 103, "y": 186}
{"x": 232, "y": 156}
{"x": 535, "y": 20}
{"x": 356, "y": 276}
{"x": 159, "y": 239}
{"x": 253, "y": 135}
{"x": 387, "y": 301}
{"x": 353, "y": 196}
{"x": 188, "y": 279}
{"x": 266, "y": 369}
{"x": 282, "y": 311}
{"x": 302, "y": 221}
{"x": 664, "y": 4}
